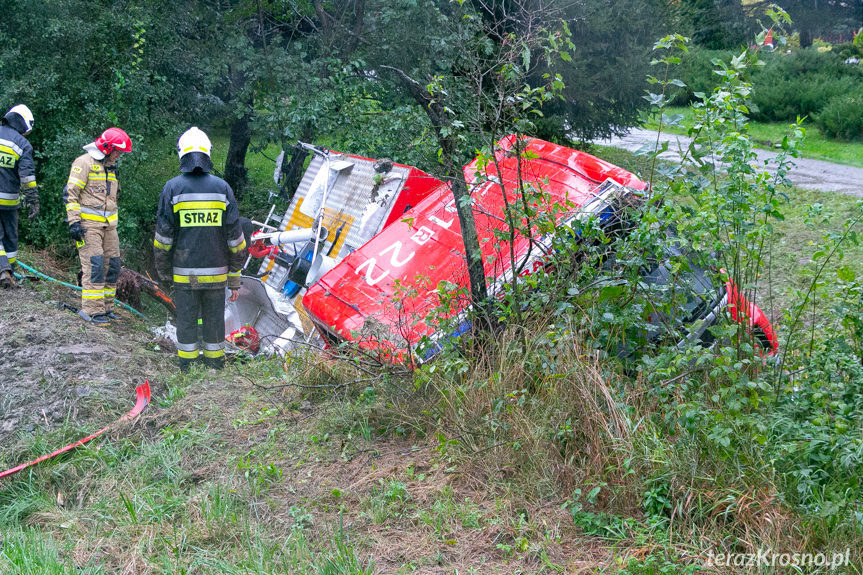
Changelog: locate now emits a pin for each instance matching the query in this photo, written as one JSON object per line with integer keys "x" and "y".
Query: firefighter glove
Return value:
{"x": 76, "y": 231}
{"x": 31, "y": 196}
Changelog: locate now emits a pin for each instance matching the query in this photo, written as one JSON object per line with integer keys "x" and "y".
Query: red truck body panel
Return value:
{"x": 388, "y": 287}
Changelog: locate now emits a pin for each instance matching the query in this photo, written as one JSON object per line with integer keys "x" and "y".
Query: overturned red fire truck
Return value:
{"x": 364, "y": 246}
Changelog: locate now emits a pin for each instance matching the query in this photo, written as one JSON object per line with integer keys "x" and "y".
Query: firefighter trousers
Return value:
{"x": 8, "y": 239}
{"x": 209, "y": 306}
{"x": 100, "y": 264}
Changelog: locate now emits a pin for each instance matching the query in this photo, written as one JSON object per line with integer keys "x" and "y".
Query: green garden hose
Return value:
{"x": 74, "y": 287}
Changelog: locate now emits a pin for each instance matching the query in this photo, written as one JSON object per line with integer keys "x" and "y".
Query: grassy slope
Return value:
{"x": 223, "y": 476}
{"x": 767, "y": 135}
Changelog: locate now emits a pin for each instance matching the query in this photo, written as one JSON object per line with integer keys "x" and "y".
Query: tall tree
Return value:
{"x": 471, "y": 81}
{"x": 605, "y": 81}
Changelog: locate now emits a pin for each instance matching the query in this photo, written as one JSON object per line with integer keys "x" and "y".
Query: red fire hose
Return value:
{"x": 143, "y": 400}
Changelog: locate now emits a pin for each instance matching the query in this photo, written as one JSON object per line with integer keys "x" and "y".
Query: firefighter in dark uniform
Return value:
{"x": 199, "y": 248}
{"x": 17, "y": 172}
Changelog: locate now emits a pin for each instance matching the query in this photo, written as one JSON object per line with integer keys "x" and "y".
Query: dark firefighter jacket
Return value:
{"x": 199, "y": 242}
{"x": 17, "y": 169}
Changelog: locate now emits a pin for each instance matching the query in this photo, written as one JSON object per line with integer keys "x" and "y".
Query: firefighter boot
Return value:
{"x": 186, "y": 363}
{"x": 6, "y": 280}
{"x": 99, "y": 320}
{"x": 217, "y": 363}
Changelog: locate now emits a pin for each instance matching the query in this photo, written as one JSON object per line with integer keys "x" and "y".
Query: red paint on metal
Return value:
{"x": 142, "y": 393}
{"x": 742, "y": 310}
{"x": 416, "y": 188}
{"x": 389, "y": 284}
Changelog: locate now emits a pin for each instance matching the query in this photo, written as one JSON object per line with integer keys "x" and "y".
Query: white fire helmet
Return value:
{"x": 193, "y": 140}
{"x": 25, "y": 114}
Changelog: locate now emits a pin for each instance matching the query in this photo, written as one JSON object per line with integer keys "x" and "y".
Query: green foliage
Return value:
{"x": 713, "y": 25}
{"x": 604, "y": 79}
{"x": 658, "y": 565}
{"x": 841, "y": 116}
{"x": 697, "y": 71}
{"x": 849, "y": 50}
{"x": 800, "y": 84}
{"x": 788, "y": 86}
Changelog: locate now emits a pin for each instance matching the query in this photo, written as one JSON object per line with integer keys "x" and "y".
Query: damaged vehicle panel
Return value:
{"x": 361, "y": 251}
{"x": 705, "y": 303}
{"x": 391, "y": 283}
{"x": 341, "y": 202}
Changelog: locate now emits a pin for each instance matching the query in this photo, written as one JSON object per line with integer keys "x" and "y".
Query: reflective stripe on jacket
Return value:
{"x": 17, "y": 170}
{"x": 199, "y": 242}
{"x": 91, "y": 192}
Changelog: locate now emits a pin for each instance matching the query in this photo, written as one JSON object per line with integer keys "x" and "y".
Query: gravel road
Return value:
{"x": 809, "y": 174}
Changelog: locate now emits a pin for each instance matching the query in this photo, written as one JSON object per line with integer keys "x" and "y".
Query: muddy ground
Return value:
{"x": 56, "y": 368}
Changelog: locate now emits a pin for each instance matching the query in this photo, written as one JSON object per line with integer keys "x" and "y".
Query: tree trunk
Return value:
{"x": 235, "y": 163}
{"x": 472, "y": 249}
{"x": 293, "y": 172}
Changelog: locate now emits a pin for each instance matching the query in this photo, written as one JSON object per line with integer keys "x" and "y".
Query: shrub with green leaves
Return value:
{"x": 789, "y": 85}
{"x": 842, "y": 116}
{"x": 800, "y": 84}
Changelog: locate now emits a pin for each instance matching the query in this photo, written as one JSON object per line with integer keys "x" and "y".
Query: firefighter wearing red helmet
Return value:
{"x": 91, "y": 211}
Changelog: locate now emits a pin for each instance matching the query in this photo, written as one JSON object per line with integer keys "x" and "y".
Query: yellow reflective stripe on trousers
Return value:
{"x": 214, "y": 353}
{"x": 92, "y": 293}
{"x": 110, "y": 293}
{"x": 199, "y": 206}
{"x": 187, "y": 354}
{"x": 214, "y": 279}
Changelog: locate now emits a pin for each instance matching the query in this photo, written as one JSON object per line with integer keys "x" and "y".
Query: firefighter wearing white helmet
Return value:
{"x": 17, "y": 173}
{"x": 199, "y": 249}
{"x": 90, "y": 196}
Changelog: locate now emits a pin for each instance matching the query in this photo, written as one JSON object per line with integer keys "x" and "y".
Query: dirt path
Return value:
{"x": 809, "y": 174}
{"x": 54, "y": 367}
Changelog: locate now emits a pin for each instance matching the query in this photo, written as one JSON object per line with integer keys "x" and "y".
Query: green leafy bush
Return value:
{"x": 787, "y": 86}
{"x": 800, "y": 84}
{"x": 842, "y": 117}
{"x": 849, "y": 50}
{"x": 697, "y": 71}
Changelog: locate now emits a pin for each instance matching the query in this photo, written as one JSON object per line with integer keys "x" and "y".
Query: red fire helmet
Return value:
{"x": 246, "y": 338}
{"x": 114, "y": 139}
